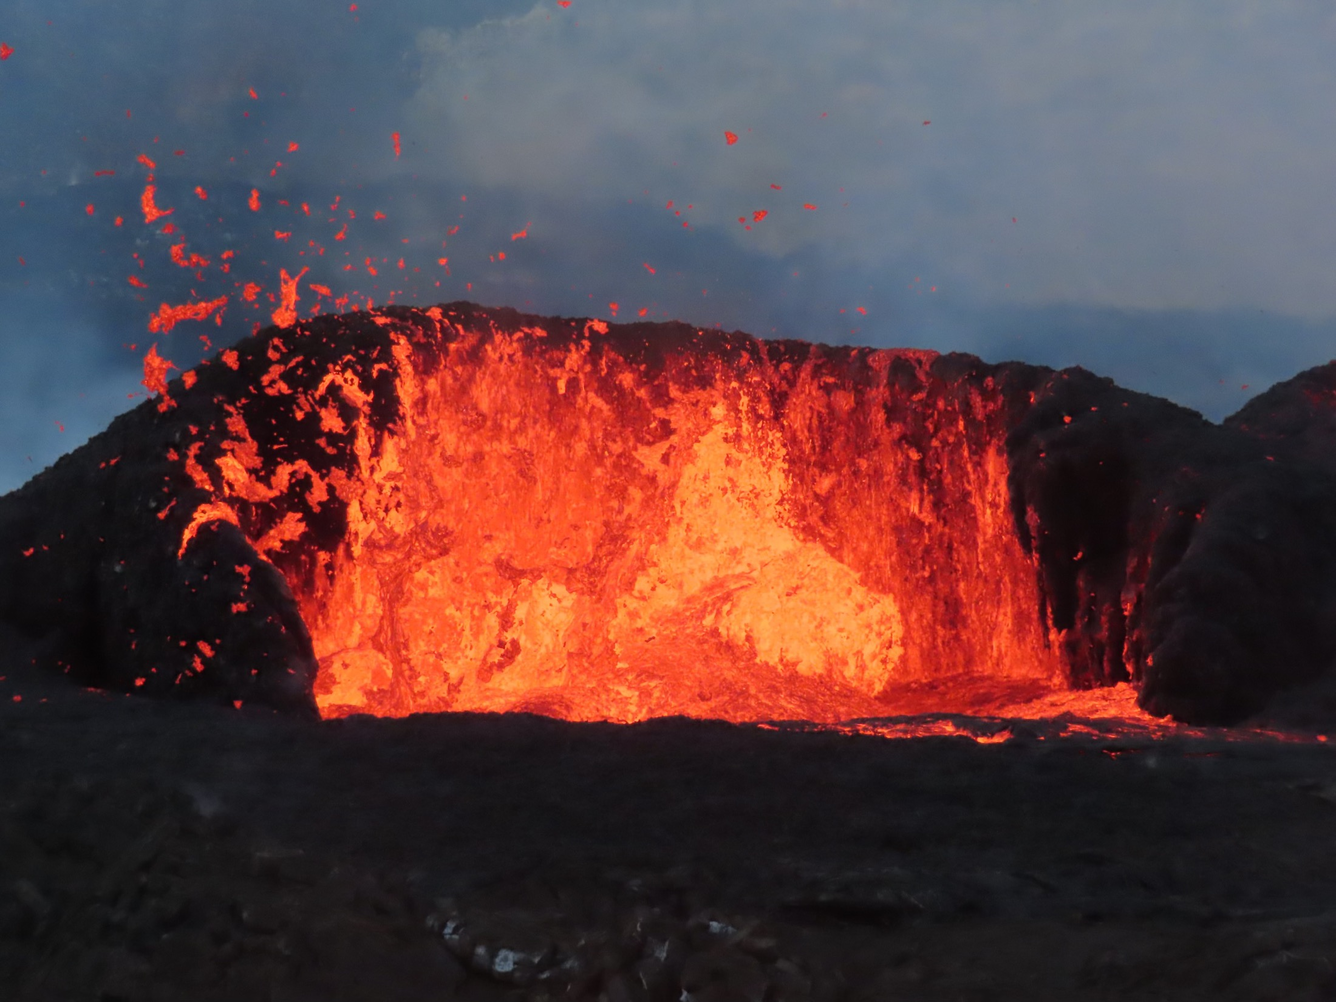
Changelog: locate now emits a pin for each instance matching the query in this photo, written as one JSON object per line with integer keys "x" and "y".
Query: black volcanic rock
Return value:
{"x": 1196, "y": 560}
{"x": 92, "y": 568}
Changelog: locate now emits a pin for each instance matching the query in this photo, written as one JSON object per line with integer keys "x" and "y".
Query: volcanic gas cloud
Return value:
{"x": 470, "y": 509}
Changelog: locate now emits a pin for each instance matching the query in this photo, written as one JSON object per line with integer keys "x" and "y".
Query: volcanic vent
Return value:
{"x": 471, "y": 509}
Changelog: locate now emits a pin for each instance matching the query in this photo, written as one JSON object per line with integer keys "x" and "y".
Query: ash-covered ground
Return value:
{"x": 171, "y": 850}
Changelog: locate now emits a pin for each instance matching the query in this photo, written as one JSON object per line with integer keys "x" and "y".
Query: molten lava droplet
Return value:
{"x": 254, "y": 201}
{"x": 89, "y": 208}
{"x": 730, "y": 137}
{"x": 151, "y": 211}
{"x": 193, "y": 261}
{"x": 286, "y": 314}
{"x": 5, "y": 51}
{"x": 395, "y": 136}
{"x": 155, "y": 376}
{"x": 168, "y": 317}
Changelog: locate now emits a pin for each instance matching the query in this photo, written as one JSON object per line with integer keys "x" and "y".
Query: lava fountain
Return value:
{"x": 458, "y": 508}
{"x": 598, "y": 524}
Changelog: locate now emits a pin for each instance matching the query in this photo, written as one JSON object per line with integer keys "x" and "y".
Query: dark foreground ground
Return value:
{"x": 170, "y": 851}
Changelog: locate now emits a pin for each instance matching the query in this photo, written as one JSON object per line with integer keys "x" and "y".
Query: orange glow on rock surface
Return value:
{"x": 203, "y": 515}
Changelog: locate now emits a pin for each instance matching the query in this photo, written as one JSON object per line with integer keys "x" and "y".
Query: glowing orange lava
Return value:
{"x": 286, "y": 314}
{"x": 168, "y": 317}
{"x": 597, "y": 527}
{"x": 155, "y": 376}
{"x": 151, "y": 211}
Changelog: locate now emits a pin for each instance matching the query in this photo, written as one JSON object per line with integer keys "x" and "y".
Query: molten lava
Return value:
{"x": 615, "y": 525}
{"x": 466, "y": 508}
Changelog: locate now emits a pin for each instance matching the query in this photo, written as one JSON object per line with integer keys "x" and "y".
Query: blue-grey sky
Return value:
{"x": 1141, "y": 188}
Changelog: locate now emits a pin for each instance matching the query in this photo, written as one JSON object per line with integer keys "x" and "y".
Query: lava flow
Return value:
{"x": 459, "y": 508}
{"x": 600, "y": 527}
{"x": 602, "y": 524}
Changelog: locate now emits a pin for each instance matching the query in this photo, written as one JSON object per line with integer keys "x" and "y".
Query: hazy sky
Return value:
{"x": 1145, "y": 189}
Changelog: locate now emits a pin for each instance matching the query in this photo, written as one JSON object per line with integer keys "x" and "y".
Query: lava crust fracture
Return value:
{"x": 465, "y": 508}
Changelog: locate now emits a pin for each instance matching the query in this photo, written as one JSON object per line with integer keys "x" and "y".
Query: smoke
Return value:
{"x": 1136, "y": 189}
{"x": 1152, "y": 158}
